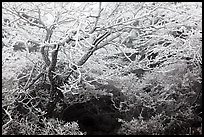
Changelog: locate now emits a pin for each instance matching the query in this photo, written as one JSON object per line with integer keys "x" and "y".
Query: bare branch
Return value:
{"x": 30, "y": 76}
{"x": 39, "y": 16}
{"x": 108, "y": 40}
{"x": 10, "y": 119}
{"x": 34, "y": 80}
{"x": 97, "y": 18}
{"x": 90, "y": 52}
{"x": 20, "y": 14}
{"x": 118, "y": 46}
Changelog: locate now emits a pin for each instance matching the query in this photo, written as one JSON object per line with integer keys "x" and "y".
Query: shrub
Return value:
{"x": 47, "y": 127}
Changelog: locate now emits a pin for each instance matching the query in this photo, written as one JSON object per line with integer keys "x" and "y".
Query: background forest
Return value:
{"x": 101, "y": 68}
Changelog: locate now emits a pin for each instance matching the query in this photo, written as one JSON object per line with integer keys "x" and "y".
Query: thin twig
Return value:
{"x": 30, "y": 76}
{"x": 122, "y": 51}
{"x": 34, "y": 80}
{"x": 97, "y": 18}
{"x": 10, "y": 119}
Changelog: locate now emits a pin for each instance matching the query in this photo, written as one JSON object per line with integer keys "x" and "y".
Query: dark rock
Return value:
{"x": 31, "y": 46}
{"x": 19, "y": 46}
{"x": 97, "y": 115}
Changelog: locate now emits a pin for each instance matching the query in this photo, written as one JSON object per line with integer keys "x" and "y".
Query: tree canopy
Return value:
{"x": 144, "y": 50}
